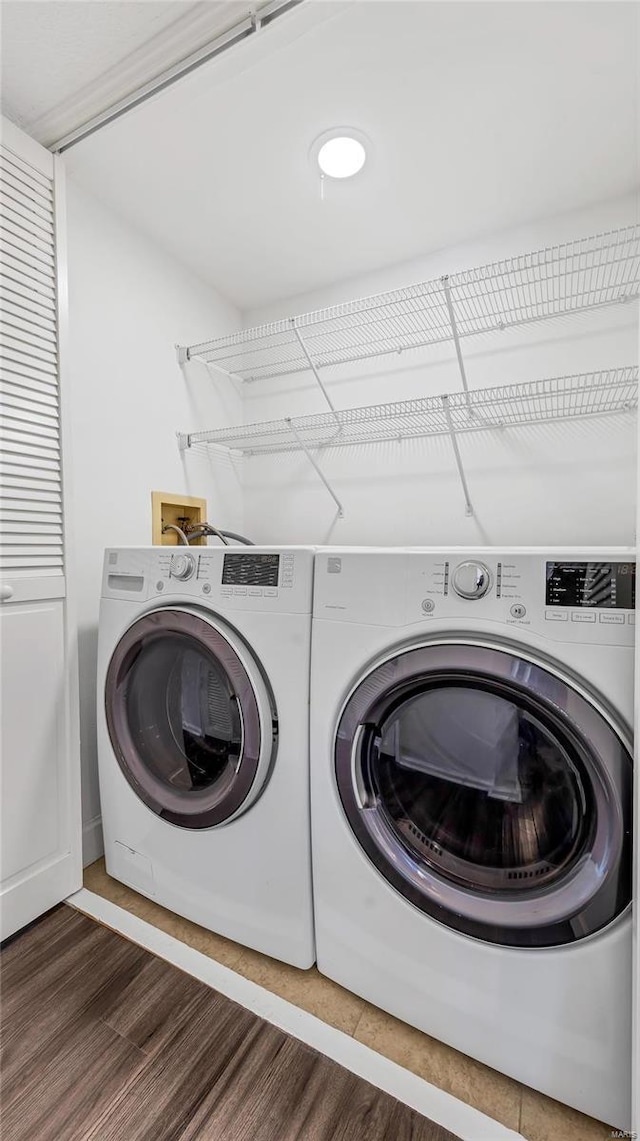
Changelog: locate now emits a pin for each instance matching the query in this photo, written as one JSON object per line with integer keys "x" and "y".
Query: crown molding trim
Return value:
{"x": 96, "y": 105}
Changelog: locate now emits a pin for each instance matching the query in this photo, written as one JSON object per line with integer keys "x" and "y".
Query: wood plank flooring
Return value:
{"x": 102, "y": 1041}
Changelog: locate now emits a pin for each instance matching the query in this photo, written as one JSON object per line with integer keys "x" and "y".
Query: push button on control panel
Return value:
{"x": 518, "y": 610}
{"x": 584, "y": 616}
{"x": 618, "y": 619}
{"x": 556, "y": 615}
{"x": 428, "y": 605}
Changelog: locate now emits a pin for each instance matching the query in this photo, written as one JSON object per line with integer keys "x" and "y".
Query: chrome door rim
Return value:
{"x": 208, "y": 808}
{"x": 580, "y": 902}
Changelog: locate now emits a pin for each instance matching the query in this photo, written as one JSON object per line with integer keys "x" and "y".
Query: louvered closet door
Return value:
{"x": 40, "y": 840}
{"x": 31, "y": 519}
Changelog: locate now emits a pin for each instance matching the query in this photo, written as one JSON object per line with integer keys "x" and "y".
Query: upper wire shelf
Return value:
{"x": 557, "y": 398}
{"x": 585, "y": 274}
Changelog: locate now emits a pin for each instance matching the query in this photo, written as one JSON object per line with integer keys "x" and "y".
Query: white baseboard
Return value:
{"x": 92, "y": 841}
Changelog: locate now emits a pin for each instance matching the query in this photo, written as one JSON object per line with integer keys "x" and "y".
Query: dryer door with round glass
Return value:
{"x": 494, "y": 794}
{"x": 190, "y": 717}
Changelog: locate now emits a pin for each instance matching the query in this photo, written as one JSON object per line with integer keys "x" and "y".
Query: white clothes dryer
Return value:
{"x": 203, "y": 731}
{"x": 471, "y": 803}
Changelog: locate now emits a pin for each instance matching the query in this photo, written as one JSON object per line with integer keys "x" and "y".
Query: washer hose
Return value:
{"x": 174, "y": 527}
{"x": 202, "y": 529}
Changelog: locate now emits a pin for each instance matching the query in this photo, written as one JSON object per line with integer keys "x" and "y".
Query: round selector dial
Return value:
{"x": 182, "y": 566}
{"x": 471, "y": 579}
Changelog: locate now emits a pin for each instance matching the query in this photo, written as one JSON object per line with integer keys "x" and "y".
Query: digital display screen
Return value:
{"x": 246, "y": 569}
{"x": 609, "y": 586}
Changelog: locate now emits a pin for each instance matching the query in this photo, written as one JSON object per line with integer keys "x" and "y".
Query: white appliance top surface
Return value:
{"x": 492, "y": 552}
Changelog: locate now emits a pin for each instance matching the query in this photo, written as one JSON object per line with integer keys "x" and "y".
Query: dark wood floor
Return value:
{"x": 102, "y": 1041}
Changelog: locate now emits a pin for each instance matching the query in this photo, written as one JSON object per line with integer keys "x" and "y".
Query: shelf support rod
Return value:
{"x": 290, "y": 425}
{"x": 468, "y": 509}
{"x": 312, "y": 366}
{"x": 446, "y": 284}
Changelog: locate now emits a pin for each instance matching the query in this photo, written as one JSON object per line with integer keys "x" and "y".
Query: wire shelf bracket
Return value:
{"x": 468, "y": 509}
{"x": 316, "y": 466}
{"x": 184, "y": 356}
{"x": 312, "y": 364}
{"x": 446, "y": 285}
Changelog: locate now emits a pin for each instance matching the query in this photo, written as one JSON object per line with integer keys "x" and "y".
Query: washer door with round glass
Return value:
{"x": 194, "y": 734}
{"x": 490, "y": 792}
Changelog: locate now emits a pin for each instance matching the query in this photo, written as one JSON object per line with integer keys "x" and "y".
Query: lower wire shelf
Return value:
{"x": 558, "y": 398}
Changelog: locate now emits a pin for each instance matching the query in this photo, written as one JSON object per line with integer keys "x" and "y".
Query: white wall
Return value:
{"x": 567, "y": 482}
{"x": 128, "y": 304}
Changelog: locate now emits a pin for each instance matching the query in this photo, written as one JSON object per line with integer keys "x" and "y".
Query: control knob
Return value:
{"x": 182, "y": 566}
{"x": 471, "y": 579}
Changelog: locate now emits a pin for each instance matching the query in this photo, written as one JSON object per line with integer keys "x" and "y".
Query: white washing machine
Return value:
{"x": 471, "y": 777}
{"x": 203, "y": 737}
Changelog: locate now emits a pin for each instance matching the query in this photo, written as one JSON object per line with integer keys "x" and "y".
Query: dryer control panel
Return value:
{"x": 569, "y": 595}
{"x": 529, "y": 590}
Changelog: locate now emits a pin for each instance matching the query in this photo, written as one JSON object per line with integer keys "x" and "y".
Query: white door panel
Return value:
{"x": 33, "y": 802}
{"x": 40, "y": 861}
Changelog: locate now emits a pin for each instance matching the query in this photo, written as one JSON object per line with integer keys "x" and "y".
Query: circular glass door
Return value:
{"x": 186, "y": 720}
{"x": 490, "y": 792}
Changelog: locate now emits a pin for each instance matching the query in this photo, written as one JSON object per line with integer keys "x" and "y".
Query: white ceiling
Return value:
{"x": 64, "y": 61}
{"x": 482, "y": 116}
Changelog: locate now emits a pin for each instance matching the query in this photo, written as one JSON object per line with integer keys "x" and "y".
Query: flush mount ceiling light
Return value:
{"x": 341, "y": 157}
{"x": 340, "y": 152}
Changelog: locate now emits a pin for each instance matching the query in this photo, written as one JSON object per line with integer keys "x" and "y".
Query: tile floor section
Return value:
{"x": 536, "y": 1117}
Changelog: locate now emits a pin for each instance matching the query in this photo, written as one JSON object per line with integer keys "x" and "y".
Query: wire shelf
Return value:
{"x": 558, "y": 398}
{"x": 585, "y": 274}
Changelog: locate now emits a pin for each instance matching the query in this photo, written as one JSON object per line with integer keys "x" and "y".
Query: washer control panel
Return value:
{"x": 231, "y": 578}
{"x": 471, "y": 579}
